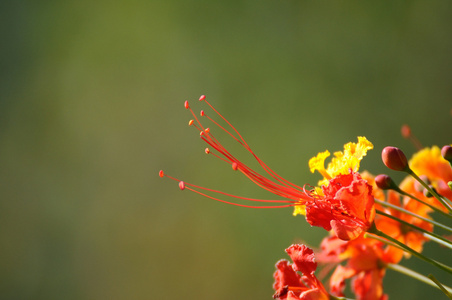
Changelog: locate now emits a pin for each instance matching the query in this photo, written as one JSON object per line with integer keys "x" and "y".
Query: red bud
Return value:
{"x": 394, "y": 159}
{"x": 384, "y": 182}
{"x": 446, "y": 152}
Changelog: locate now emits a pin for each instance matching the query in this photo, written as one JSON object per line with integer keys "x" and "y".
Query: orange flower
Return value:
{"x": 291, "y": 285}
{"x": 365, "y": 261}
{"x": 429, "y": 162}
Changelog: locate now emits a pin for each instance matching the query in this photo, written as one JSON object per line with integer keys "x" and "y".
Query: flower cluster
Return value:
{"x": 372, "y": 222}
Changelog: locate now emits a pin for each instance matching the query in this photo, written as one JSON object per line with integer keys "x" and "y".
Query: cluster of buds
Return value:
{"x": 372, "y": 222}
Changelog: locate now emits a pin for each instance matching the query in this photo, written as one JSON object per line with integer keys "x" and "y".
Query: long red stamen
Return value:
{"x": 279, "y": 189}
{"x": 242, "y": 141}
{"x": 276, "y": 185}
{"x": 406, "y": 133}
{"x": 260, "y": 180}
{"x": 184, "y": 185}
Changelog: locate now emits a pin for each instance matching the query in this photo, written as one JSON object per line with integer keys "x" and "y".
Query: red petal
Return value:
{"x": 303, "y": 258}
{"x": 285, "y": 275}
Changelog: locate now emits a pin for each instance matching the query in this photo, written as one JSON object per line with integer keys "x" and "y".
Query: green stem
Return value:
{"x": 446, "y": 290}
{"x": 415, "y": 275}
{"x": 427, "y": 234}
{"x": 431, "y": 191}
{"x": 379, "y": 233}
{"x": 395, "y": 207}
{"x": 438, "y": 239}
{"x": 398, "y": 190}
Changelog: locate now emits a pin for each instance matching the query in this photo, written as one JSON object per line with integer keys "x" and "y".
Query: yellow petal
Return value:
{"x": 318, "y": 162}
{"x": 299, "y": 210}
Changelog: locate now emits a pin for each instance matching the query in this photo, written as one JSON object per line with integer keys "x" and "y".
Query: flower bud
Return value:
{"x": 384, "y": 182}
{"x": 394, "y": 159}
{"x": 446, "y": 152}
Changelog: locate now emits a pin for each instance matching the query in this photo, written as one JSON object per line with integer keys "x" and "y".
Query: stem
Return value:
{"x": 440, "y": 199}
{"x": 413, "y": 214}
{"x": 427, "y": 234}
{"x": 415, "y": 275}
{"x": 446, "y": 290}
{"x": 438, "y": 239}
{"x": 379, "y": 233}
{"x": 398, "y": 190}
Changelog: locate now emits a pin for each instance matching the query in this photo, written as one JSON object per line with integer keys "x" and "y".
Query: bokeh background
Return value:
{"x": 91, "y": 109}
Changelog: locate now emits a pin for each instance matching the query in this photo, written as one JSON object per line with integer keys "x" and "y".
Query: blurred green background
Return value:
{"x": 91, "y": 109}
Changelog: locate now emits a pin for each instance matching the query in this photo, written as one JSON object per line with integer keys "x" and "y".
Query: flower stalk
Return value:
{"x": 430, "y": 235}
{"x": 408, "y": 272}
{"x": 402, "y": 246}
{"x": 395, "y": 207}
{"x": 446, "y": 290}
{"x": 386, "y": 183}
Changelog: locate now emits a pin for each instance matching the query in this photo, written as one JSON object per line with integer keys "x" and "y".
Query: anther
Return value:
{"x": 181, "y": 185}
{"x": 207, "y": 130}
{"x": 161, "y": 174}
{"x": 235, "y": 166}
{"x": 202, "y": 113}
{"x": 207, "y": 150}
{"x": 186, "y": 105}
{"x": 190, "y": 122}
{"x": 203, "y": 97}
{"x": 201, "y": 133}
{"x": 405, "y": 131}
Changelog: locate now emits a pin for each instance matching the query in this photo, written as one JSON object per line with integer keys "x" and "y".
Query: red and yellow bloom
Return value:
{"x": 343, "y": 202}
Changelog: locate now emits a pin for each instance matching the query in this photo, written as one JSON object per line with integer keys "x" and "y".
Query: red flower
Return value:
{"x": 365, "y": 266}
{"x": 347, "y": 206}
{"x": 291, "y": 285}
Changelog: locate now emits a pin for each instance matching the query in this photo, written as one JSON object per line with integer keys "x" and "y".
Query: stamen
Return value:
{"x": 194, "y": 188}
{"x": 276, "y": 185}
{"x": 244, "y": 144}
{"x": 241, "y": 205}
{"x": 406, "y": 133}
{"x": 242, "y": 141}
